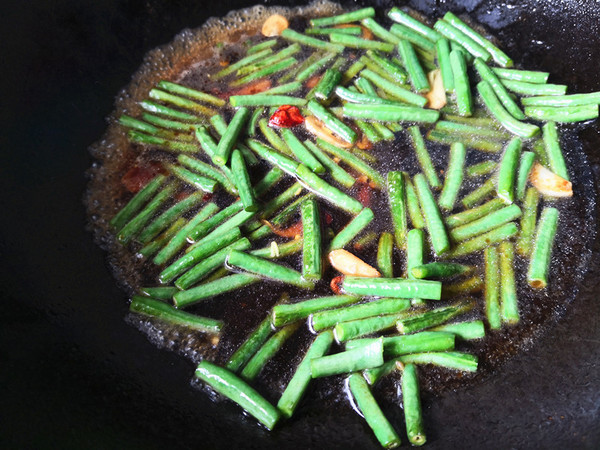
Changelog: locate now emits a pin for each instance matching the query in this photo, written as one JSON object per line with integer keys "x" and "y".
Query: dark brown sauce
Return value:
{"x": 188, "y": 62}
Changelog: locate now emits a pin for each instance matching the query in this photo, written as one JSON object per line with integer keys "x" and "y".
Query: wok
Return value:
{"x": 75, "y": 375}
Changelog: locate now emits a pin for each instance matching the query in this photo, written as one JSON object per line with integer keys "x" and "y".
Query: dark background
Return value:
{"x": 73, "y": 374}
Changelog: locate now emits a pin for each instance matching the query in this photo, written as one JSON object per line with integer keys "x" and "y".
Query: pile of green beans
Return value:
{"x": 473, "y": 213}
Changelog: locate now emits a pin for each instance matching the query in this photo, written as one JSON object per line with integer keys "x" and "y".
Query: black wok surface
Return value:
{"x": 73, "y": 374}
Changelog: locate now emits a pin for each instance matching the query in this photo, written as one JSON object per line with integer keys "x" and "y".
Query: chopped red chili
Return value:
{"x": 336, "y": 284}
{"x": 286, "y": 116}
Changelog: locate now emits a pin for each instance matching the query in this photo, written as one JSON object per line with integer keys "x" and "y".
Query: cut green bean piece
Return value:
{"x": 492, "y": 287}
{"x": 553, "y": 150}
{"x": 562, "y": 114}
{"x": 268, "y": 269}
{"x": 416, "y": 74}
{"x": 507, "y": 173}
{"x": 136, "y": 124}
{"x": 383, "y": 430}
{"x": 454, "y": 34}
{"x": 284, "y": 163}
{"x": 301, "y": 152}
{"x": 266, "y": 71}
{"x": 160, "y": 293}
{"x": 309, "y": 41}
{"x": 439, "y": 270}
{"x": 349, "y": 17}
{"x": 392, "y": 287}
{"x": 275, "y": 58}
{"x": 350, "y": 41}
{"x": 230, "y": 136}
{"x": 337, "y": 173}
{"x": 474, "y": 142}
{"x": 412, "y": 203}
{"x": 267, "y": 351}
{"x": 357, "y": 97}
{"x": 454, "y": 176}
{"x": 530, "y": 207}
{"x": 209, "y": 171}
{"x": 469, "y": 286}
{"x": 363, "y": 357}
{"x": 166, "y": 144}
{"x": 482, "y": 168}
{"x": 386, "y": 133}
{"x": 312, "y": 254}
{"x": 265, "y": 100}
{"x": 402, "y": 32}
{"x": 157, "y": 108}
{"x": 261, "y": 46}
{"x": 468, "y": 130}
{"x": 397, "y": 15}
{"x": 295, "y": 389}
{"x": 473, "y": 214}
{"x": 479, "y": 194}
{"x": 286, "y": 88}
{"x": 524, "y": 88}
{"x": 345, "y": 331}
{"x": 443, "y": 56}
{"x": 292, "y": 312}
{"x": 354, "y": 30}
{"x": 136, "y": 203}
{"x": 397, "y": 202}
{"x": 272, "y": 137}
{"x": 590, "y": 99}
{"x": 509, "y": 309}
{"x": 189, "y": 92}
{"x": 464, "y": 330}
{"x": 462, "y": 87}
{"x": 327, "y": 84}
{"x": 242, "y": 63}
{"x": 496, "y": 109}
{"x": 390, "y": 113}
{"x": 352, "y": 229}
{"x": 486, "y": 223}
{"x": 488, "y": 75}
{"x": 374, "y": 374}
{"x": 415, "y": 251}
{"x": 421, "y": 321}
{"x": 385, "y": 254}
{"x": 167, "y": 313}
{"x": 193, "y": 179}
{"x": 206, "y": 141}
{"x": 433, "y": 217}
{"x": 332, "y": 122}
{"x": 162, "y": 239}
{"x": 411, "y": 401}
{"x": 451, "y": 360}
{"x": 480, "y": 242}
{"x": 527, "y": 160}
{"x": 522, "y": 75}
{"x": 250, "y": 346}
{"x": 166, "y": 97}
{"x": 204, "y": 227}
{"x": 277, "y": 251}
{"x": 424, "y": 341}
{"x": 235, "y": 389}
{"x": 330, "y": 318}
{"x": 393, "y": 70}
{"x": 213, "y": 288}
{"x": 423, "y": 157}
{"x": 352, "y": 71}
{"x": 237, "y": 220}
{"x": 371, "y": 24}
{"x": 393, "y": 89}
{"x": 537, "y": 275}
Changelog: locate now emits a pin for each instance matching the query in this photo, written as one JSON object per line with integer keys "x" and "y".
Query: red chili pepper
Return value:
{"x": 328, "y": 218}
{"x": 336, "y": 284}
{"x": 290, "y": 232}
{"x": 364, "y": 195}
{"x": 286, "y": 116}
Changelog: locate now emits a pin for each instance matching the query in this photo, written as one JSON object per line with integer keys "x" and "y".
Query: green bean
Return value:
{"x": 393, "y": 89}
{"x": 590, "y": 99}
{"x": 267, "y": 351}
{"x": 395, "y": 72}
{"x": 390, "y": 113}
{"x": 485, "y": 223}
{"x": 479, "y": 194}
{"x": 381, "y": 70}
{"x": 349, "y": 17}
{"x": 488, "y": 75}
{"x": 537, "y": 274}
{"x": 482, "y": 168}
{"x": 309, "y": 41}
{"x": 468, "y": 286}
{"x": 415, "y": 249}
{"x": 354, "y": 162}
{"x": 157, "y": 108}
{"x": 553, "y": 150}
{"x": 363, "y": 357}
{"x": 451, "y": 360}
{"x": 352, "y": 71}
{"x": 164, "y": 293}
{"x": 179, "y": 240}
{"x": 397, "y": 15}
{"x": 213, "y": 288}
{"x": 383, "y": 430}
{"x": 562, "y": 113}
{"x": 206, "y": 141}
{"x": 272, "y": 137}
{"x": 193, "y": 179}
{"x": 374, "y": 374}
{"x": 411, "y": 401}
{"x": 235, "y": 389}
{"x": 204, "y": 227}
{"x": 423, "y": 157}
{"x": 454, "y": 176}
{"x": 350, "y": 41}
{"x": 496, "y": 109}
{"x": 230, "y": 136}
{"x": 443, "y": 56}
{"x": 433, "y": 217}
{"x": 261, "y": 46}
{"x": 355, "y": 30}
{"x": 295, "y": 389}
{"x": 332, "y": 122}
{"x": 301, "y": 152}
{"x": 136, "y": 124}
{"x": 198, "y": 254}
{"x": 134, "y": 205}
{"x": 209, "y": 264}
{"x": 416, "y": 74}
{"x": 312, "y": 254}
{"x": 372, "y": 25}
{"x": 327, "y": 84}
{"x": 275, "y": 58}
{"x": 473, "y": 214}
{"x": 165, "y": 312}
{"x": 277, "y": 251}
{"x": 524, "y": 88}
{"x": 285, "y": 88}
{"x": 280, "y": 219}
{"x": 209, "y": 171}
{"x": 345, "y": 331}
{"x": 492, "y": 287}
{"x": 166, "y": 97}
{"x": 133, "y": 227}
{"x": 284, "y": 163}
{"x": 385, "y": 254}
{"x": 392, "y": 287}
{"x": 324, "y": 190}
{"x": 292, "y": 312}
{"x": 402, "y": 32}
{"x": 480, "y": 242}
{"x": 357, "y": 97}
{"x": 530, "y": 206}
{"x": 464, "y": 330}
{"x": 242, "y": 63}
{"x": 369, "y": 131}
{"x": 189, "y": 92}
{"x": 266, "y": 71}
{"x": 265, "y": 100}
{"x": 412, "y": 204}
{"x": 424, "y": 341}
{"x": 507, "y": 173}
{"x": 527, "y": 160}
{"x": 166, "y": 218}
{"x": 428, "y": 319}
{"x": 162, "y": 239}
{"x": 384, "y": 306}
{"x": 462, "y": 87}
{"x": 454, "y": 34}
{"x": 165, "y": 144}
{"x": 352, "y": 229}
{"x": 250, "y": 346}
{"x": 509, "y": 309}
{"x": 387, "y": 134}
{"x": 467, "y": 130}
{"x": 522, "y": 75}
{"x": 476, "y": 143}
{"x": 337, "y": 173}
{"x": 397, "y": 200}
{"x": 439, "y": 270}
{"x": 268, "y": 269}
{"x": 498, "y": 55}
